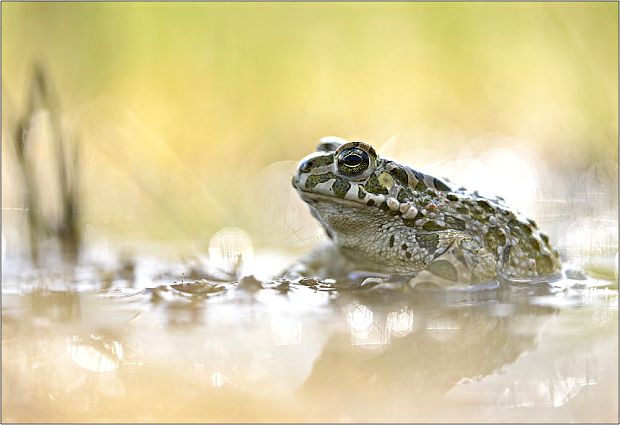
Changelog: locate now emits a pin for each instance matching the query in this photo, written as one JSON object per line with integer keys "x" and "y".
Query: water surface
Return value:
{"x": 204, "y": 350}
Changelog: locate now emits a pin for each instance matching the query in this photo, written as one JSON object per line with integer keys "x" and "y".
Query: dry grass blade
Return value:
{"x": 66, "y": 230}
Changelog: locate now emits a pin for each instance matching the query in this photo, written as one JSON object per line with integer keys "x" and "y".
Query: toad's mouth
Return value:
{"x": 313, "y": 198}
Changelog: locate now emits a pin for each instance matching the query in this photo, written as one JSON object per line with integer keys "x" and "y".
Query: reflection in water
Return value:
{"x": 285, "y": 330}
{"x": 428, "y": 348}
{"x": 400, "y": 323}
{"x": 364, "y": 329}
{"x": 96, "y": 354}
{"x": 247, "y": 351}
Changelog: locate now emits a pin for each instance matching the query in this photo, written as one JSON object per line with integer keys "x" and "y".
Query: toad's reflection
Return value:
{"x": 414, "y": 350}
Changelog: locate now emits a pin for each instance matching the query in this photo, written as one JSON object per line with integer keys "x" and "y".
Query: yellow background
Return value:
{"x": 181, "y": 108}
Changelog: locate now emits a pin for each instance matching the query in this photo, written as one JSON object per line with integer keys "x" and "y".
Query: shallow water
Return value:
{"x": 257, "y": 351}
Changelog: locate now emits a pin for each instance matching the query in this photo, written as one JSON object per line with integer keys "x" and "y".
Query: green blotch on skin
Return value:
{"x": 400, "y": 175}
{"x": 405, "y": 194}
{"x": 418, "y": 176}
{"x": 323, "y": 160}
{"x": 428, "y": 241}
{"x": 361, "y": 193}
{"x": 455, "y": 223}
{"x": 481, "y": 217}
{"x": 485, "y": 205}
{"x": 420, "y": 187}
{"x": 494, "y": 238}
{"x": 479, "y": 214}
{"x": 317, "y": 162}
{"x": 391, "y": 241}
{"x": 432, "y": 193}
{"x": 452, "y": 197}
{"x": 520, "y": 227}
{"x": 431, "y": 225}
{"x": 341, "y": 187}
{"x": 444, "y": 269}
{"x": 463, "y": 210}
{"x": 439, "y": 185}
{"x": 312, "y": 181}
{"x": 544, "y": 265}
{"x": 373, "y": 186}
{"x": 386, "y": 180}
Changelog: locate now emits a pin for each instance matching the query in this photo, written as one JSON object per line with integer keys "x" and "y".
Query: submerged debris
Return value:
{"x": 250, "y": 284}
{"x": 199, "y": 288}
{"x": 281, "y": 285}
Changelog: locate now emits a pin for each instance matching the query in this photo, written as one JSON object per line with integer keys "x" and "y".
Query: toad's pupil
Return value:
{"x": 352, "y": 160}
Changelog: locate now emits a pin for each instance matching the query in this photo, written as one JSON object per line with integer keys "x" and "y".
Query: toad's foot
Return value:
{"x": 463, "y": 264}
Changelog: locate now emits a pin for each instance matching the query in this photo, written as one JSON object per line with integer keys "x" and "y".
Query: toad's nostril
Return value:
{"x": 306, "y": 166}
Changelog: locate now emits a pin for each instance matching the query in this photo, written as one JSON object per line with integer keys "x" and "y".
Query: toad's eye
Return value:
{"x": 353, "y": 162}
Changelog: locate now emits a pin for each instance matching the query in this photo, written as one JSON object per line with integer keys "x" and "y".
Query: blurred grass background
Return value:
{"x": 182, "y": 109}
